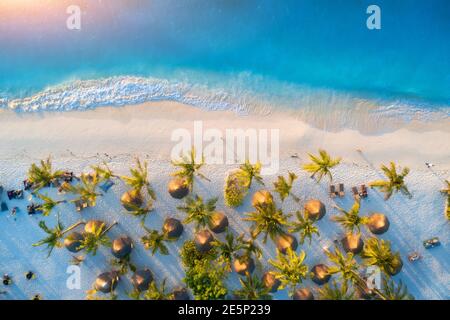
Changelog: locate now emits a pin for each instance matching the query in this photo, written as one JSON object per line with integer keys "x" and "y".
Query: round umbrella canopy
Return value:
{"x": 353, "y": 243}
{"x": 173, "y": 228}
{"x": 303, "y": 294}
{"x": 315, "y": 209}
{"x": 73, "y": 241}
{"x": 203, "y": 240}
{"x": 181, "y": 294}
{"x": 106, "y": 282}
{"x": 121, "y": 246}
{"x": 93, "y": 225}
{"x": 243, "y": 265}
{"x": 285, "y": 241}
{"x": 132, "y": 199}
{"x": 378, "y": 223}
{"x": 262, "y": 197}
{"x": 320, "y": 274}
{"x": 271, "y": 282}
{"x": 141, "y": 279}
{"x": 218, "y": 222}
{"x": 178, "y": 188}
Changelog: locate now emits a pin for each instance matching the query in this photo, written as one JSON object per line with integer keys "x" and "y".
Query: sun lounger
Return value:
{"x": 68, "y": 176}
{"x": 80, "y": 205}
{"x": 27, "y": 185}
{"x": 355, "y": 193}
{"x": 363, "y": 192}
{"x": 3, "y": 207}
{"x": 15, "y": 194}
{"x": 34, "y": 208}
{"x": 341, "y": 190}
{"x": 431, "y": 243}
{"x": 414, "y": 256}
{"x": 332, "y": 191}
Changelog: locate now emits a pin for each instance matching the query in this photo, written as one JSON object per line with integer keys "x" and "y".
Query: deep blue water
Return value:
{"x": 318, "y": 43}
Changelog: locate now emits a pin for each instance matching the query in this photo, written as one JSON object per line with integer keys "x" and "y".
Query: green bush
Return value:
{"x": 190, "y": 255}
{"x": 235, "y": 189}
{"x": 206, "y": 280}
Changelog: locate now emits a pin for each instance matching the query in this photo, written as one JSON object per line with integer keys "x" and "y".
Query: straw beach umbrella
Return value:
{"x": 121, "y": 246}
{"x": 243, "y": 265}
{"x": 172, "y": 228}
{"x": 285, "y": 241}
{"x": 303, "y": 294}
{"x": 106, "y": 282}
{"x": 180, "y": 294}
{"x": 218, "y": 222}
{"x": 178, "y": 188}
{"x": 73, "y": 241}
{"x": 203, "y": 240}
{"x": 262, "y": 197}
{"x": 353, "y": 243}
{"x": 320, "y": 274}
{"x": 141, "y": 279}
{"x": 315, "y": 208}
{"x": 378, "y": 223}
{"x": 93, "y": 225}
{"x": 132, "y": 199}
{"x": 271, "y": 282}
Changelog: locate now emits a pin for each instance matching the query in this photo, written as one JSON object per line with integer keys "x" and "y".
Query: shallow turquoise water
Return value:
{"x": 316, "y": 43}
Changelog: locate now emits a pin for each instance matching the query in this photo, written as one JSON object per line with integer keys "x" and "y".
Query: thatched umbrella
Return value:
{"x": 262, "y": 197}
{"x": 270, "y": 281}
{"x": 303, "y": 294}
{"x": 107, "y": 282}
{"x": 121, "y": 246}
{"x": 285, "y": 241}
{"x": 378, "y": 223}
{"x": 92, "y": 225}
{"x": 218, "y": 222}
{"x": 173, "y": 228}
{"x": 141, "y": 279}
{"x": 353, "y": 243}
{"x": 180, "y": 294}
{"x": 244, "y": 264}
{"x": 315, "y": 209}
{"x": 320, "y": 274}
{"x": 132, "y": 199}
{"x": 398, "y": 265}
{"x": 73, "y": 241}
{"x": 203, "y": 240}
{"x": 178, "y": 188}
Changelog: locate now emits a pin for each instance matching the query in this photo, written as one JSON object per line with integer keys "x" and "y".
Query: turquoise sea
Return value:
{"x": 233, "y": 49}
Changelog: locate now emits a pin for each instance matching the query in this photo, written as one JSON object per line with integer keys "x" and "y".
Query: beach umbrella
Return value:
{"x": 106, "y": 282}
{"x": 218, "y": 222}
{"x": 244, "y": 264}
{"x": 262, "y": 197}
{"x": 173, "y": 228}
{"x": 303, "y": 294}
{"x": 203, "y": 240}
{"x": 352, "y": 243}
{"x": 178, "y": 188}
{"x": 121, "y": 246}
{"x": 397, "y": 267}
{"x": 73, "y": 241}
{"x": 378, "y": 223}
{"x": 320, "y": 274}
{"x": 93, "y": 225}
{"x": 141, "y": 279}
{"x": 180, "y": 294}
{"x": 285, "y": 241}
{"x": 315, "y": 208}
{"x": 132, "y": 199}
{"x": 270, "y": 281}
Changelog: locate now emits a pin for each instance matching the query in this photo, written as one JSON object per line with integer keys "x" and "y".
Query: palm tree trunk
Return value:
{"x": 110, "y": 227}
{"x": 73, "y": 226}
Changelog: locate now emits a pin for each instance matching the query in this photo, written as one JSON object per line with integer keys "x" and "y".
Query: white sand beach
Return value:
{"x": 76, "y": 140}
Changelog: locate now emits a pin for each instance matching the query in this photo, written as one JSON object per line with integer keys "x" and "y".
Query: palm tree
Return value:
{"x": 252, "y": 289}
{"x": 350, "y": 220}
{"x": 41, "y": 176}
{"x": 229, "y": 248}
{"x": 157, "y": 293}
{"x": 335, "y": 291}
{"x": 140, "y": 211}
{"x": 48, "y": 204}
{"x": 378, "y": 252}
{"x": 395, "y": 182}
{"x": 104, "y": 172}
{"x": 391, "y": 291}
{"x": 198, "y": 211}
{"x": 268, "y": 220}
{"x": 290, "y": 269}
{"x": 189, "y": 168}
{"x": 86, "y": 189}
{"x": 139, "y": 178}
{"x": 54, "y": 235}
{"x": 154, "y": 241}
{"x": 342, "y": 264}
{"x": 446, "y": 190}
{"x": 251, "y": 248}
{"x": 96, "y": 237}
{"x": 321, "y": 165}
{"x": 304, "y": 226}
{"x": 283, "y": 187}
{"x": 248, "y": 172}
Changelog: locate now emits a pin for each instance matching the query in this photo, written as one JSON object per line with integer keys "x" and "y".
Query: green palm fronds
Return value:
{"x": 248, "y": 172}
{"x": 334, "y": 291}
{"x": 283, "y": 187}
{"x": 139, "y": 178}
{"x": 305, "y": 226}
{"x": 252, "y": 288}
{"x": 395, "y": 182}
{"x": 104, "y": 172}
{"x": 189, "y": 168}
{"x": 378, "y": 253}
{"x": 229, "y": 248}
{"x": 86, "y": 189}
{"x": 350, "y": 220}
{"x": 391, "y": 291}
{"x": 93, "y": 240}
{"x": 290, "y": 269}
{"x": 343, "y": 264}
{"x": 267, "y": 219}
{"x": 321, "y": 165}
{"x": 157, "y": 293}
{"x": 41, "y": 176}
{"x": 48, "y": 204}
{"x": 154, "y": 241}
{"x": 141, "y": 212}
{"x": 198, "y": 211}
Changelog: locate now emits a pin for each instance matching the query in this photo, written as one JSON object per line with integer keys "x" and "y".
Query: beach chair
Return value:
{"x": 27, "y": 185}
{"x": 341, "y": 190}
{"x": 363, "y": 191}
{"x": 355, "y": 193}
{"x": 414, "y": 256}
{"x": 431, "y": 243}
{"x": 15, "y": 194}
{"x": 68, "y": 176}
{"x": 332, "y": 191}
{"x": 80, "y": 205}
{"x": 3, "y": 207}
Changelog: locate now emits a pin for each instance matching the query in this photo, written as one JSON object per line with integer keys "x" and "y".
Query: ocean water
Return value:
{"x": 225, "y": 54}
